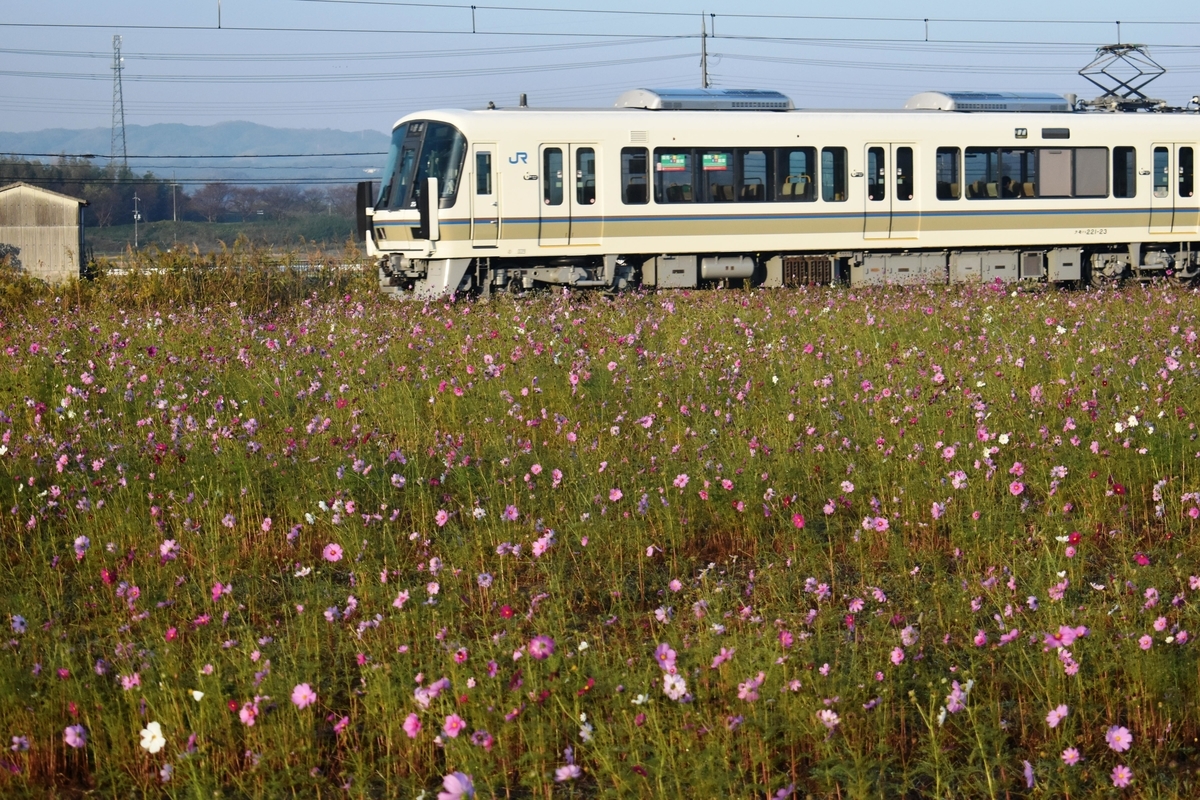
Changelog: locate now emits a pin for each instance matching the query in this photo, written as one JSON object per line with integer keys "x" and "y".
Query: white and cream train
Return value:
{"x": 682, "y": 188}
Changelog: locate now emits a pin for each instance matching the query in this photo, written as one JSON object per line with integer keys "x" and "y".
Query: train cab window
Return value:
{"x": 673, "y": 179}
{"x": 904, "y": 173}
{"x": 797, "y": 171}
{"x": 876, "y": 174}
{"x": 483, "y": 173}
{"x": 1124, "y": 172}
{"x": 552, "y": 176}
{"x": 635, "y": 175}
{"x": 716, "y": 171}
{"x": 585, "y": 176}
{"x": 1186, "y": 171}
{"x": 1162, "y": 169}
{"x": 833, "y": 175}
{"x": 948, "y": 185}
{"x": 755, "y": 178}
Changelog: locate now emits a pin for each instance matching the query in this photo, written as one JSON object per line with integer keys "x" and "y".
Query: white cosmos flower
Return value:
{"x": 197, "y": 695}
{"x": 152, "y": 737}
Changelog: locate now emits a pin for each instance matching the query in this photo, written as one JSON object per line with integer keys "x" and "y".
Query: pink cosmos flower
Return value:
{"x": 675, "y": 585}
{"x": 681, "y": 480}
{"x": 332, "y": 552}
{"x": 75, "y": 736}
{"x": 412, "y": 725}
{"x": 897, "y": 655}
{"x": 453, "y": 726}
{"x": 341, "y": 725}
{"x": 1122, "y": 776}
{"x": 798, "y": 520}
{"x": 1070, "y": 756}
{"x": 1119, "y": 738}
{"x": 1056, "y": 716}
{"x": 441, "y": 517}
{"x": 981, "y": 638}
{"x": 829, "y": 718}
{"x": 568, "y": 773}
{"x": 1015, "y": 488}
{"x": 1145, "y": 642}
{"x": 541, "y": 647}
{"x": 664, "y": 656}
{"x": 615, "y": 494}
{"x": 456, "y": 786}
{"x": 721, "y": 657}
{"x": 303, "y": 695}
{"x": 510, "y": 514}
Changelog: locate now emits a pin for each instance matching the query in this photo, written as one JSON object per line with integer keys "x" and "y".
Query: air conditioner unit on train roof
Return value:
{"x": 705, "y": 100}
{"x": 988, "y": 101}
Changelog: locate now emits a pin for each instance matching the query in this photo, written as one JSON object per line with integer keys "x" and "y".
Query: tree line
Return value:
{"x": 110, "y": 190}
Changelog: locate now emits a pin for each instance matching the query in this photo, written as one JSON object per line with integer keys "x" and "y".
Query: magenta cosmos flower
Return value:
{"x": 303, "y": 695}
{"x": 332, "y": 552}
{"x": 541, "y": 647}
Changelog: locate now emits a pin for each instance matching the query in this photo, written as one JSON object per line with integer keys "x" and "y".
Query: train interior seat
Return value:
{"x": 993, "y": 190}
{"x": 1028, "y": 190}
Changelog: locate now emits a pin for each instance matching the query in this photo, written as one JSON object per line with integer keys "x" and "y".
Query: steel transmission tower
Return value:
{"x": 118, "y": 110}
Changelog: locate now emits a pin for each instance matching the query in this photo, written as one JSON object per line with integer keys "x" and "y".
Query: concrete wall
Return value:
{"x": 47, "y": 227}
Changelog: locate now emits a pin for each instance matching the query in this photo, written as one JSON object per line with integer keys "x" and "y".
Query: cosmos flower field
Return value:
{"x": 276, "y": 534}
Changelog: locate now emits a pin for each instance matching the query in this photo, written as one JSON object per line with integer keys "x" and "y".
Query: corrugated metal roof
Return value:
{"x": 19, "y": 184}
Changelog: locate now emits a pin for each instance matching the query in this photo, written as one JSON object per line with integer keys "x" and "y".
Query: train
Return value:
{"x": 686, "y": 188}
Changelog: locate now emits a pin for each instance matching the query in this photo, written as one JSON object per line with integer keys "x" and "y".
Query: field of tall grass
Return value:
{"x": 273, "y": 534}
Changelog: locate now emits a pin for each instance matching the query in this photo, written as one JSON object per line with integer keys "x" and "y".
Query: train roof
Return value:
{"x": 1044, "y": 102}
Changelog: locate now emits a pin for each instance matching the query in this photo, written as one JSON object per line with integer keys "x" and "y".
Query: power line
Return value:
{"x": 350, "y": 78}
{"x": 241, "y": 155}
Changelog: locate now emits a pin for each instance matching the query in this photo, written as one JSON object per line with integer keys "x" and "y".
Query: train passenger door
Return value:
{"x": 586, "y": 221}
{"x": 485, "y": 197}
{"x": 554, "y": 228}
{"x": 906, "y": 211}
{"x": 1162, "y": 198}
{"x": 877, "y": 211}
{"x": 1187, "y": 204}
{"x": 891, "y": 211}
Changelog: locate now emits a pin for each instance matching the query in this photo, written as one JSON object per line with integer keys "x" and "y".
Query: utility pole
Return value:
{"x": 137, "y": 215}
{"x": 174, "y": 214}
{"x": 703, "y": 53}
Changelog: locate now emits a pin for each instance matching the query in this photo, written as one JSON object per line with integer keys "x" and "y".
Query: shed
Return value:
{"x": 46, "y": 230}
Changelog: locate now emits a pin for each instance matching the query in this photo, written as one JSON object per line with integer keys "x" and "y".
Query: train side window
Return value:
{"x": 833, "y": 175}
{"x": 797, "y": 171}
{"x": 1124, "y": 172}
{"x": 904, "y": 173}
{"x": 1162, "y": 167}
{"x": 673, "y": 176}
{"x": 1091, "y": 172}
{"x": 1019, "y": 173}
{"x": 716, "y": 171}
{"x": 755, "y": 177}
{"x": 635, "y": 175}
{"x": 876, "y": 174}
{"x": 1186, "y": 171}
{"x": 483, "y": 173}
{"x": 552, "y": 176}
{"x": 981, "y": 171}
{"x": 585, "y": 176}
{"x": 948, "y": 185}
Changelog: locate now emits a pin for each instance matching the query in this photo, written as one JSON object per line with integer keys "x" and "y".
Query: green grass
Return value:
{"x": 193, "y": 404}
{"x": 274, "y": 234}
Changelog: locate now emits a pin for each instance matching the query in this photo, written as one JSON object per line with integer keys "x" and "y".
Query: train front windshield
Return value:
{"x": 421, "y": 150}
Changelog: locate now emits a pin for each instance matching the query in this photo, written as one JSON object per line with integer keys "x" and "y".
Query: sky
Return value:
{"x": 361, "y": 64}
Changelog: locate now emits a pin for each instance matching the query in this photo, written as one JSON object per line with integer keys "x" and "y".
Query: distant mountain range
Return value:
{"x": 245, "y": 139}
